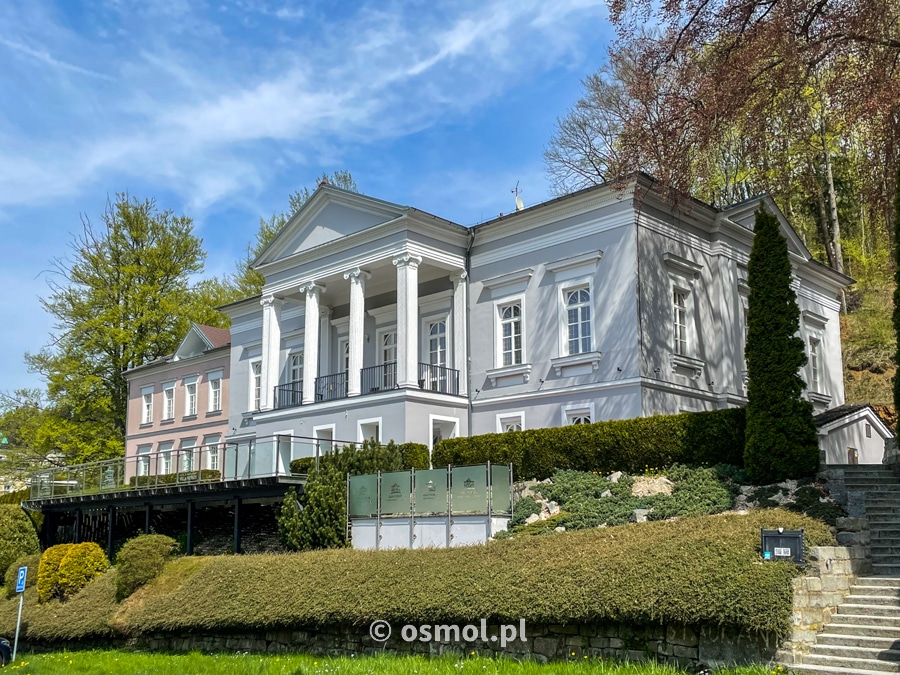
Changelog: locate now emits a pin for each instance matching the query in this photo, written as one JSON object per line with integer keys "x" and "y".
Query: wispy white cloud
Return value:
{"x": 45, "y": 57}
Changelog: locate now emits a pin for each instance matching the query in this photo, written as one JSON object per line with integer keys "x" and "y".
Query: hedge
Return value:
{"x": 17, "y": 535}
{"x": 374, "y": 457}
{"x": 140, "y": 560}
{"x": 30, "y": 561}
{"x": 174, "y": 478}
{"x": 715, "y": 437}
{"x": 48, "y": 572}
{"x": 81, "y": 565}
{"x": 704, "y": 571}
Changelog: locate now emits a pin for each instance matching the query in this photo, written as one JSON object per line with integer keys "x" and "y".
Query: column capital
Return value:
{"x": 459, "y": 277}
{"x": 311, "y": 287}
{"x": 408, "y": 260}
{"x": 269, "y": 300}
{"x": 324, "y": 312}
{"x": 356, "y": 274}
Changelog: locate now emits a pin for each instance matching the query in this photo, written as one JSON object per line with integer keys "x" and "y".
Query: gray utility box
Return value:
{"x": 783, "y": 544}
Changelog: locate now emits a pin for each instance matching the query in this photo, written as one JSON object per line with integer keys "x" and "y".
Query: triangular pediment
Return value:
{"x": 328, "y": 215}
{"x": 744, "y": 214}
{"x": 193, "y": 344}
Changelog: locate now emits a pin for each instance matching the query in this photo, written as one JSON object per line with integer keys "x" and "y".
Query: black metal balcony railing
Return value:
{"x": 438, "y": 378}
{"x": 378, "y": 378}
{"x": 331, "y": 387}
{"x": 289, "y": 395}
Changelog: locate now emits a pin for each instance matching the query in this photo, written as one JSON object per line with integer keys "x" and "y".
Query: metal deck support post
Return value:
{"x": 236, "y": 544}
{"x": 148, "y": 516}
{"x": 48, "y": 529}
{"x": 79, "y": 525}
{"x": 189, "y": 543}
{"x": 111, "y": 531}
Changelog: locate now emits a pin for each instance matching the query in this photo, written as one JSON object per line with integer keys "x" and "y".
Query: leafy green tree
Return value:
{"x": 247, "y": 282}
{"x": 123, "y": 299}
{"x": 781, "y": 437}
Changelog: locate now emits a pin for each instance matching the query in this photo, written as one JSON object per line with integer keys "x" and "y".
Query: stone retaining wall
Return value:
{"x": 817, "y": 596}
{"x": 677, "y": 645}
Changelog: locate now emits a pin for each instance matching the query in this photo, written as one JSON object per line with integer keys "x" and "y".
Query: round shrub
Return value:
{"x": 12, "y": 574}
{"x": 81, "y": 565}
{"x": 17, "y": 535}
{"x": 140, "y": 561}
{"x": 48, "y": 572}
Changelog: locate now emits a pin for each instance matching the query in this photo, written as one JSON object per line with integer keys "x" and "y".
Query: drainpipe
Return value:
{"x": 469, "y": 331}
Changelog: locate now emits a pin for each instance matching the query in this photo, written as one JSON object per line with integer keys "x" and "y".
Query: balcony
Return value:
{"x": 378, "y": 378}
{"x": 331, "y": 387}
{"x": 289, "y": 395}
{"x": 439, "y": 379}
{"x": 268, "y": 457}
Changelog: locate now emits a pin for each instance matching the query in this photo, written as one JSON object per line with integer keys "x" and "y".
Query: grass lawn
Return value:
{"x": 140, "y": 663}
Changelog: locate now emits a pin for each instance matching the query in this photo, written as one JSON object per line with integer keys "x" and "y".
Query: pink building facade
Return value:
{"x": 178, "y": 411}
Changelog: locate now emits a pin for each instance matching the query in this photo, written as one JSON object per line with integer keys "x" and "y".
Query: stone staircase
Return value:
{"x": 863, "y": 637}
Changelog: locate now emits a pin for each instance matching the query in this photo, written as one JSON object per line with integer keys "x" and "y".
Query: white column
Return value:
{"x": 460, "y": 346}
{"x": 357, "y": 279}
{"x": 311, "y": 341}
{"x": 271, "y": 349}
{"x": 407, "y": 319}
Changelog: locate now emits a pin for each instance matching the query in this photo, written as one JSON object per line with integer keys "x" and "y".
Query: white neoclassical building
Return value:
{"x": 380, "y": 320}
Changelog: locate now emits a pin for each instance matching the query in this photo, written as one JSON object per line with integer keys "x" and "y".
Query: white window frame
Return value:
{"x": 214, "y": 404}
{"x": 186, "y": 453}
{"x": 169, "y": 400}
{"x": 255, "y": 385}
{"x": 143, "y": 460}
{"x": 499, "y": 306}
{"x": 814, "y": 356}
{"x": 147, "y": 405}
{"x": 164, "y": 457}
{"x": 440, "y": 418}
{"x": 344, "y": 355}
{"x": 388, "y": 379}
{"x": 681, "y": 344}
{"x": 573, "y": 410}
{"x": 190, "y": 403}
{"x": 563, "y": 313}
{"x": 316, "y": 430}
{"x": 294, "y": 367}
{"x": 504, "y": 419}
{"x": 211, "y": 449}
{"x": 369, "y": 420}
{"x": 426, "y": 339}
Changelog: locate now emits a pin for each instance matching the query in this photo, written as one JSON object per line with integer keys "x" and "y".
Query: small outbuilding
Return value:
{"x": 852, "y": 434}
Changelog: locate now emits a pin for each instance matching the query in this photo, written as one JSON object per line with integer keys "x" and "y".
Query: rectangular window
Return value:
{"x": 437, "y": 343}
{"x": 255, "y": 385}
{"x": 295, "y": 367}
{"x": 679, "y": 321}
{"x": 868, "y": 431}
{"x": 143, "y": 460}
{"x": 344, "y": 351}
{"x": 190, "y": 400}
{"x": 511, "y": 334}
{"x": 147, "y": 407}
{"x": 165, "y": 458}
{"x": 211, "y": 451}
{"x": 578, "y": 319}
{"x": 578, "y": 416}
{"x": 169, "y": 401}
{"x": 389, "y": 359}
{"x": 510, "y": 422}
{"x": 187, "y": 455}
{"x": 215, "y": 392}
{"x": 814, "y": 364}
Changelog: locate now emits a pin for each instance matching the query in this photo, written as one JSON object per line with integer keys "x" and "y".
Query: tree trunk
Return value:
{"x": 835, "y": 224}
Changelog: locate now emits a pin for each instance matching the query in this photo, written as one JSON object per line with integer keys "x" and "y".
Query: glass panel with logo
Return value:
{"x": 468, "y": 489}
{"x": 363, "y": 496}
{"x": 431, "y": 492}
{"x": 395, "y": 493}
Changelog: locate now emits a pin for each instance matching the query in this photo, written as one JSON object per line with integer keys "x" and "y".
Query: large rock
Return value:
{"x": 644, "y": 486}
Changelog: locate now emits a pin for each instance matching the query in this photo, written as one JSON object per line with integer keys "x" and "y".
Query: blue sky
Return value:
{"x": 220, "y": 109}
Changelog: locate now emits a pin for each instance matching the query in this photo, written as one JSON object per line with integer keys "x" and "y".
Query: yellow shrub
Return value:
{"x": 81, "y": 564}
{"x": 48, "y": 571}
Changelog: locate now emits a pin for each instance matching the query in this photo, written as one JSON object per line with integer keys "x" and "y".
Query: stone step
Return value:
{"x": 881, "y": 549}
{"x": 893, "y": 582}
{"x": 834, "y": 662}
{"x": 881, "y": 642}
{"x": 831, "y": 670}
{"x": 849, "y": 630}
{"x": 872, "y": 600}
{"x": 865, "y": 589}
{"x": 868, "y": 653}
{"x": 862, "y": 608}
{"x": 887, "y": 569}
{"x": 884, "y": 533}
{"x": 866, "y": 619}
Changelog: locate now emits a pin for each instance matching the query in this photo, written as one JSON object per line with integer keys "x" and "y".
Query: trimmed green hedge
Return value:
{"x": 174, "y": 478}
{"x": 411, "y": 456}
{"x": 82, "y": 564}
{"x": 17, "y": 535}
{"x": 704, "y": 571}
{"x": 30, "y": 561}
{"x": 141, "y": 560}
{"x": 715, "y": 437}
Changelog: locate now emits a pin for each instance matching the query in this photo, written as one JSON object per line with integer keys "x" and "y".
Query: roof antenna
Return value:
{"x": 519, "y": 204}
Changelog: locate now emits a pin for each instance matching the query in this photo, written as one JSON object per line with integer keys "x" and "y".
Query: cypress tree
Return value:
{"x": 781, "y": 437}
{"x": 897, "y": 292}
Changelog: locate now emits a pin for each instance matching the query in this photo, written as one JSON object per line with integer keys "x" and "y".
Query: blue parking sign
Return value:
{"x": 20, "y": 580}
